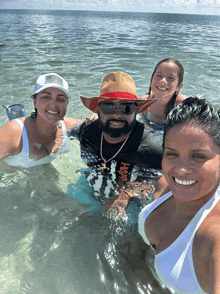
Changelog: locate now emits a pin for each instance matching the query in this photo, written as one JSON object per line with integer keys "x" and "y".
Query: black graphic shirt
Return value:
{"x": 139, "y": 158}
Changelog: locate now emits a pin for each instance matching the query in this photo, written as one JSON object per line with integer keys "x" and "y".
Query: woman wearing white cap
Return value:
{"x": 34, "y": 140}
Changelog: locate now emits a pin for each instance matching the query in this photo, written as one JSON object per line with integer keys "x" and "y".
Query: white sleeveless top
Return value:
{"x": 174, "y": 265}
{"x": 22, "y": 159}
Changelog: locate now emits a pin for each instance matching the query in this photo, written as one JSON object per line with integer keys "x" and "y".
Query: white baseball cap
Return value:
{"x": 51, "y": 80}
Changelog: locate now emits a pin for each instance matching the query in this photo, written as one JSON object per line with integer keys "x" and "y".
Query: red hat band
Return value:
{"x": 124, "y": 95}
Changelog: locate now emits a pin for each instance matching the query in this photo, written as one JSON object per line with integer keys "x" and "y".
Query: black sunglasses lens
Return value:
{"x": 127, "y": 108}
{"x": 108, "y": 108}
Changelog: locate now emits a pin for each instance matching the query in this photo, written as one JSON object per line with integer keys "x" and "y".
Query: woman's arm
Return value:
{"x": 10, "y": 139}
{"x": 74, "y": 123}
{"x": 71, "y": 123}
{"x": 214, "y": 253}
{"x": 161, "y": 188}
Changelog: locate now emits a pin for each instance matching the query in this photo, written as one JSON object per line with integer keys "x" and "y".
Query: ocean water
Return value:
{"x": 50, "y": 243}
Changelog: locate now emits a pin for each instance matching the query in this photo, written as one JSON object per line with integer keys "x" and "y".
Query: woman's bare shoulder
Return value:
{"x": 10, "y": 141}
{"x": 206, "y": 247}
{"x": 145, "y": 97}
{"x": 180, "y": 98}
{"x": 209, "y": 230}
{"x": 10, "y": 128}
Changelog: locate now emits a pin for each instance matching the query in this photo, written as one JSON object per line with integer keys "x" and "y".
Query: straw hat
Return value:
{"x": 117, "y": 87}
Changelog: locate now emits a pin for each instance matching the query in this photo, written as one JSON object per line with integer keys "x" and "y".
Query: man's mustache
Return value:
{"x": 116, "y": 120}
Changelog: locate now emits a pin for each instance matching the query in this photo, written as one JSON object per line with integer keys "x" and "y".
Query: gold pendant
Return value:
{"x": 104, "y": 167}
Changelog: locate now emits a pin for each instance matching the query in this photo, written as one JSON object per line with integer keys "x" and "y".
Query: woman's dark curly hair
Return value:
{"x": 198, "y": 113}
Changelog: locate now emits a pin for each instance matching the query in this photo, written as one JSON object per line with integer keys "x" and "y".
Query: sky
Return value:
{"x": 163, "y": 6}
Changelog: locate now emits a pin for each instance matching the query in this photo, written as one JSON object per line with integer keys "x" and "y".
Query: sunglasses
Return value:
{"x": 110, "y": 108}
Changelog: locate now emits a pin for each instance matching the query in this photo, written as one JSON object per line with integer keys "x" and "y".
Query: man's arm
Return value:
{"x": 150, "y": 151}
{"x": 121, "y": 200}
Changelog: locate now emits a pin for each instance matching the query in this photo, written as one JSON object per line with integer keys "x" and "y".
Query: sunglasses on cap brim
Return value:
{"x": 111, "y": 108}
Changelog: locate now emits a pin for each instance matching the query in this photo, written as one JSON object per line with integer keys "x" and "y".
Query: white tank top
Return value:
{"x": 22, "y": 159}
{"x": 174, "y": 265}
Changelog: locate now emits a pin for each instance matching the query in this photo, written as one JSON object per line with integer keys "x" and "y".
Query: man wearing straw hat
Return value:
{"x": 117, "y": 146}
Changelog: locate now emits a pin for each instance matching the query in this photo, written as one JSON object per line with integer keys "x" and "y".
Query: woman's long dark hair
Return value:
{"x": 34, "y": 113}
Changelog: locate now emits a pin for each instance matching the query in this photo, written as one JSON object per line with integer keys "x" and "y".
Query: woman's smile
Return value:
{"x": 184, "y": 182}
{"x": 52, "y": 112}
{"x": 190, "y": 163}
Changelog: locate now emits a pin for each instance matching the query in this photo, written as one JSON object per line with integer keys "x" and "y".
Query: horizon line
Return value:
{"x": 91, "y": 10}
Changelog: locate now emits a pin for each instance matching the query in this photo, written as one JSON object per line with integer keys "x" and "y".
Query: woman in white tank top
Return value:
{"x": 34, "y": 140}
{"x": 184, "y": 225}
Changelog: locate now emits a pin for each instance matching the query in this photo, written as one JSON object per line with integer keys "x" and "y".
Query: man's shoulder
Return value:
{"x": 88, "y": 127}
{"x": 89, "y": 134}
{"x": 138, "y": 130}
{"x": 150, "y": 136}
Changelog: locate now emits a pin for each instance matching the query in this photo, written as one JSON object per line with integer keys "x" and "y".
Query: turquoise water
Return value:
{"x": 51, "y": 243}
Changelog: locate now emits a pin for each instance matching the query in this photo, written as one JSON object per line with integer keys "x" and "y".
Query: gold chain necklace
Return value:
{"x": 105, "y": 161}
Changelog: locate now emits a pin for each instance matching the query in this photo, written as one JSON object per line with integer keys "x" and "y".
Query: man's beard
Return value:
{"x": 117, "y": 132}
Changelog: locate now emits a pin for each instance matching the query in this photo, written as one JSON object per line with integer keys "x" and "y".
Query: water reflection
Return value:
{"x": 52, "y": 243}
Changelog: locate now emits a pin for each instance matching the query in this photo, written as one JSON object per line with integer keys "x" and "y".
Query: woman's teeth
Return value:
{"x": 161, "y": 89}
{"x": 185, "y": 183}
{"x": 52, "y": 112}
